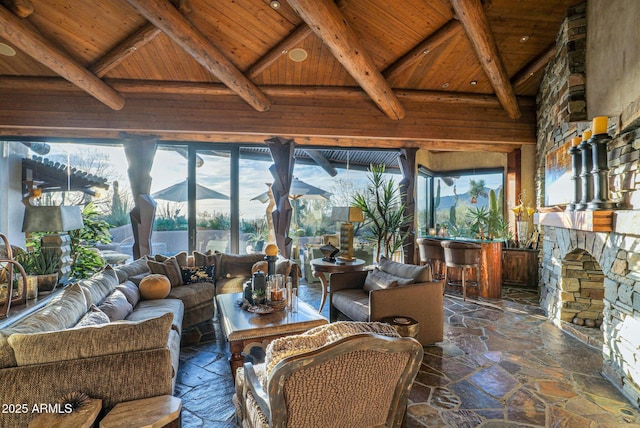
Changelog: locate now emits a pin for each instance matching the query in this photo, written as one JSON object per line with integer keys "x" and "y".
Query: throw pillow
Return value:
{"x": 92, "y": 341}
{"x": 130, "y": 291}
{"x": 191, "y": 275}
{"x": 93, "y": 317}
{"x": 203, "y": 259}
{"x": 417, "y": 273}
{"x": 169, "y": 268}
{"x": 100, "y": 285}
{"x": 376, "y": 280}
{"x": 116, "y": 306}
{"x": 155, "y": 286}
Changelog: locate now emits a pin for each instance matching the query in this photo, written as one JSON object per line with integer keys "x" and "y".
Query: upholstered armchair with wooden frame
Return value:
{"x": 419, "y": 297}
{"x": 355, "y": 379}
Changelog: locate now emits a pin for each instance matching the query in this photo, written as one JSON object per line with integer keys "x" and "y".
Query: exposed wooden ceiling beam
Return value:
{"x": 476, "y": 24}
{"x": 43, "y": 51}
{"x": 297, "y": 36}
{"x": 442, "y": 35}
{"x": 127, "y": 47}
{"x": 326, "y": 20}
{"x": 213, "y": 89}
{"x": 21, "y": 8}
{"x": 531, "y": 69}
{"x": 168, "y": 19}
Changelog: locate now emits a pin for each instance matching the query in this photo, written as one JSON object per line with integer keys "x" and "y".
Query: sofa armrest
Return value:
{"x": 347, "y": 280}
{"x": 113, "y": 378}
{"x": 421, "y": 301}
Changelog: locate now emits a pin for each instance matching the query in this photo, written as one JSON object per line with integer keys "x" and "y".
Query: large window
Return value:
{"x": 450, "y": 199}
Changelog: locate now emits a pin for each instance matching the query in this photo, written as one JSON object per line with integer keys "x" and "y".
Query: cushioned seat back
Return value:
{"x": 461, "y": 253}
{"x": 430, "y": 249}
{"x": 372, "y": 372}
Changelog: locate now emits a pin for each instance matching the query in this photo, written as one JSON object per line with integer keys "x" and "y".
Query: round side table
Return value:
{"x": 405, "y": 326}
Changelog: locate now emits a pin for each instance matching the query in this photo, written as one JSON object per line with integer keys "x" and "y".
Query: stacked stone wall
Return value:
{"x": 561, "y": 116}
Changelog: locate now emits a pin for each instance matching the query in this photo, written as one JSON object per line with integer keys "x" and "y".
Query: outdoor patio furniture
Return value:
{"x": 371, "y": 366}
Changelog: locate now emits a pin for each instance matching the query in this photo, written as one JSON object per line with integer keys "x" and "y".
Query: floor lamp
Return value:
{"x": 346, "y": 215}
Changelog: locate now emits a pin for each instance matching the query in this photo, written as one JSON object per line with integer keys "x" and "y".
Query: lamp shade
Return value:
{"x": 350, "y": 214}
{"x": 52, "y": 218}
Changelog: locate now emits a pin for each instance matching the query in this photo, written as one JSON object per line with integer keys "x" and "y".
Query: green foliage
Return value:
{"x": 452, "y": 215}
{"x": 121, "y": 205}
{"x": 42, "y": 261}
{"x": 86, "y": 259}
{"x": 384, "y": 212}
{"x": 215, "y": 221}
{"x": 477, "y": 188}
{"x": 437, "y": 201}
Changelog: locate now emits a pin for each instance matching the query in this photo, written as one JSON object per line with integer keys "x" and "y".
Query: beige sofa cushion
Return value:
{"x": 235, "y": 265}
{"x": 194, "y": 294}
{"x": 116, "y": 306}
{"x": 416, "y": 273}
{"x": 94, "y": 317}
{"x": 354, "y": 303}
{"x": 148, "y": 309}
{"x": 131, "y": 292}
{"x": 100, "y": 285}
{"x": 134, "y": 268}
{"x": 94, "y": 341}
{"x": 377, "y": 280}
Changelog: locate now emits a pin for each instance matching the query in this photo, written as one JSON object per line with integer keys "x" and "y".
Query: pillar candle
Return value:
{"x": 575, "y": 141}
{"x": 586, "y": 135}
{"x": 599, "y": 125}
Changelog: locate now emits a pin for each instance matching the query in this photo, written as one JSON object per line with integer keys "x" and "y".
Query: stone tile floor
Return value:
{"x": 502, "y": 364}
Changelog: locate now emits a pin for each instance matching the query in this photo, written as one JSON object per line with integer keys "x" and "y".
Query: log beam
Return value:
{"x": 476, "y": 24}
{"x": 168, "y": 19}
{"x": 43, "y": 51}
{"x": 21, "y": 8}
{"x": 532, "y": 68}
{"x": 127, "y": 47}
{"x": 296, "y": 37}
{"x": 442, "y": 35}
{"x": 326, "y": 20}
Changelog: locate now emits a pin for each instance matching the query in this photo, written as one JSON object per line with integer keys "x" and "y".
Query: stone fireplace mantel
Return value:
{"x": 625, "y": 222}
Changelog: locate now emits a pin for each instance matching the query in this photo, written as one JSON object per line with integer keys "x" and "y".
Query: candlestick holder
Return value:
{"x": 600, "y": 173}
{"x": 576, "y": 170}
{"x": 585, "y": 176}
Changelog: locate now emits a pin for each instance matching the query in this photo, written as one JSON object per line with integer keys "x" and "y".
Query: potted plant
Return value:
{"x": 383, "y": 211}
{"x": 43, "y": 263}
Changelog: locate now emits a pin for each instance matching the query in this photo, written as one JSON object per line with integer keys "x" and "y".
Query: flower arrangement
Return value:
{"x": 524, "y": 216}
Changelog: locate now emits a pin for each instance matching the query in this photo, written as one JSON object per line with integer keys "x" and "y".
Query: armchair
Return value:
{"x": 344, "y": 374}
{"x": 416, "y": 296}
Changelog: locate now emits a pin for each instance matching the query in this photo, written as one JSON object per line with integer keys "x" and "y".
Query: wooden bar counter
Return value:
{"x": 490, "y": 268}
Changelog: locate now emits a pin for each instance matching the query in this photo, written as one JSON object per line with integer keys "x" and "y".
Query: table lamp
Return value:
{"x": 59, "y": 220}
{"x": 346, "y": 215}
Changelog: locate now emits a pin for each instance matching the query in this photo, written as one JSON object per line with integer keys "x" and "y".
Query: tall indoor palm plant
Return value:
{"x": 384, "y": 212}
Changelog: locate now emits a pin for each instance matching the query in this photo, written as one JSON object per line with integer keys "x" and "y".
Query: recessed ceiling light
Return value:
{"x": 473, "y": 82}
{"x": 7, "y": 50}
{"x": 298, "y": 54}
{"x": 426, "y": 51}
{"x": 445, "y": 85}
{"x": 524, "y": 39}
{"x": 274, "y": 4}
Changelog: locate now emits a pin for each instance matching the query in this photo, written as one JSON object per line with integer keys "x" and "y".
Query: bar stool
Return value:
{"x": 431, "y": 252}
{"x": 461, "y": 255}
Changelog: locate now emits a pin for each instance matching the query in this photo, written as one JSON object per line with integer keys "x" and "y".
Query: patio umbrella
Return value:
{"x": 299, "y": 190}
{"x": 178, "y": 193}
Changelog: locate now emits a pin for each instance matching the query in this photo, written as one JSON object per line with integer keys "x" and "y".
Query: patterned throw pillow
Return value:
{"x": 191, "y": 275}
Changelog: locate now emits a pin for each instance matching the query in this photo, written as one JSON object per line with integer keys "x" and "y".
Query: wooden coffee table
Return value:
{"x": 244, "y": 329}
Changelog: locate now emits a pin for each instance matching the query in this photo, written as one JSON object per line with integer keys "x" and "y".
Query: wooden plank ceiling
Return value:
{"x": 435, "y": 74}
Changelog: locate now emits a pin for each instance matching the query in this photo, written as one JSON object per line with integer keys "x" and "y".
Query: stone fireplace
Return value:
{"x": 596, "y": 275}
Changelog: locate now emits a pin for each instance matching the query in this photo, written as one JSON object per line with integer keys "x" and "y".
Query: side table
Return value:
{"x": 154, "y": 412}
{"x": 405, "y": 326}
{"x": 320, "y": 267}
{"x": 83, "y": 417}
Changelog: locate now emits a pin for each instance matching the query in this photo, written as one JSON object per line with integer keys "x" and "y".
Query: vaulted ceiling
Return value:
{"x": 434, "y": 74}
